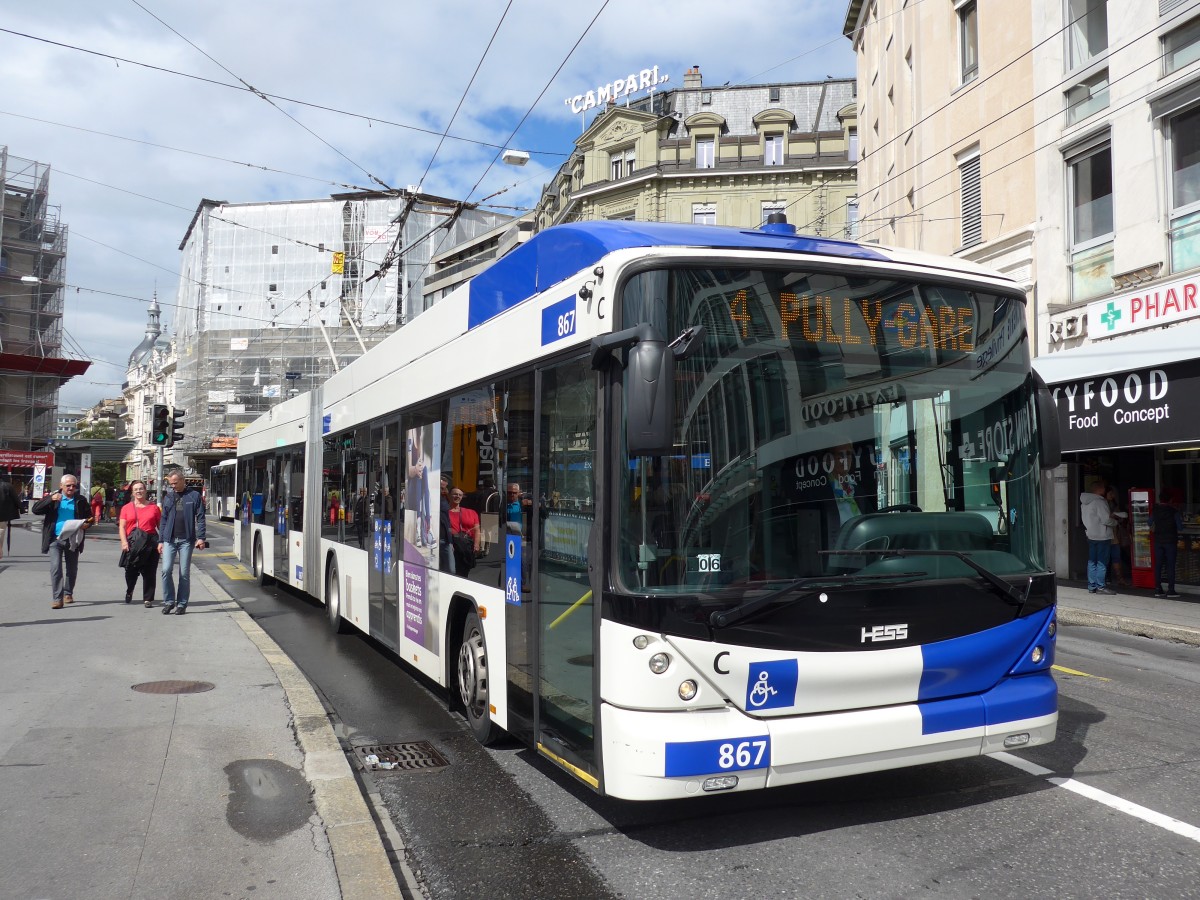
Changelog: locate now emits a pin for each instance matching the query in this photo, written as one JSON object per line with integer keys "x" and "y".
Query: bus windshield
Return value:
{"x": 825, "y": 413}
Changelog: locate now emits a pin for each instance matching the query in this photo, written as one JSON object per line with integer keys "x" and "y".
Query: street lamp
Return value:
{"x": 515, "y": 157}
{"x": 30, "y": 279}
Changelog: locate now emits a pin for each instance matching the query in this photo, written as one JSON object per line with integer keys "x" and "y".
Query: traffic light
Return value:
{"x": 176, "y": 426}
{"x": 160, "y": 425}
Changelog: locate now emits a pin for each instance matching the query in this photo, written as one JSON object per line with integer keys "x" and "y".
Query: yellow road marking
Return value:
{"x": 236, "y": 571}
{"x": 228, "y": 555}
{"x": 1067, "y": 671}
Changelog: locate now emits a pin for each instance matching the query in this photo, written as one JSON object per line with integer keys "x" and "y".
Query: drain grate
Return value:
{"x": 173, "y": 687}
{"x": 410, "y": 756}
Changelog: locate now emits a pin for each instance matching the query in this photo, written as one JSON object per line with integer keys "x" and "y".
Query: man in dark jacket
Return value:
{"x": 62, "y": 536}
{"x": 10, "y": 509}
{"x": 183, "y": 528}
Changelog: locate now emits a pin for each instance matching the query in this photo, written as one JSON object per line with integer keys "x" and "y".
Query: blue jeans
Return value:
{"x": 184, "y": 549}
{"x": 1165, "y": 569}
{"x": 1098, "y": 556}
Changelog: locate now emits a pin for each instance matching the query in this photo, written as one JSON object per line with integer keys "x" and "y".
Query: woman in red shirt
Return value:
{"x": 464, "y": 522}
{"x": 138, "y": 528}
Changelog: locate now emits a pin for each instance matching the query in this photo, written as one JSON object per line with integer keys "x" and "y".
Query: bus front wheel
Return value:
{"x": 473, "y": 679}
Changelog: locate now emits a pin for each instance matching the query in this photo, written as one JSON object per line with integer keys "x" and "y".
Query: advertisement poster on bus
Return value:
{"x": 422, "y": 509}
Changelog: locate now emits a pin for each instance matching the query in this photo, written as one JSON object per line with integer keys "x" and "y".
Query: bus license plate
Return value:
{"x": 709, "y": 757}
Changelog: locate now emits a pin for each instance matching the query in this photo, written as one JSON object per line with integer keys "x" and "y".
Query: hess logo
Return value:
{"x": 885, "y": 633}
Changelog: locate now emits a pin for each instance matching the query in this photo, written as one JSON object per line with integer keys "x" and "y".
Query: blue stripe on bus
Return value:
{"x": 564, "y": 250}
{"x": 1013, "y": 699}
{"x": 977, "y": 662}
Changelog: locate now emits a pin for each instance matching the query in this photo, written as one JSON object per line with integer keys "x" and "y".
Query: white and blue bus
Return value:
{"x": 750, "y": 508}
{"x": 219, "y": 495}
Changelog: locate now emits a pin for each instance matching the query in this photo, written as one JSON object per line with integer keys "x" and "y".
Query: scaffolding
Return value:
{"x": 33, "y": 250}
{"x": 275, "y": 297}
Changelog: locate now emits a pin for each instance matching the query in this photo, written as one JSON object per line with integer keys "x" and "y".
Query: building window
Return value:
{"x": 271, "y": 288}
{"x": 621, "y": 163}
{"x": 770, "y": 207}
{"x": 1087, "y": 97}
{"x": 1184, "y": 130}
{"x": 852, "y": 218}
{"x": 968, "y": 40}
{"x": 773, "y": 94}
{"x": 1091, "y": 198}
{"x": 1181, "y": 47}
{"x": 1087, "y": 31}
{"x": 773, "y": 150}
{"x": 970, "y": 199}
{"x": 274, "y": 249}
{"x": 704, "y": 214}
{"x": 705, "y": 153}
{"x": 852, "y": 146}
{"x": 706, "y": 98}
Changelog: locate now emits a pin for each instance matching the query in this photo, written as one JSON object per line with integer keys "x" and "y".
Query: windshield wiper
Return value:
{"x": 727, "y": 617}
{"x": 1009, "y": 593}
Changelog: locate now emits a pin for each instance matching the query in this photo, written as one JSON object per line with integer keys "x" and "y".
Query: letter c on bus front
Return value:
{"x": 717, "y": 663}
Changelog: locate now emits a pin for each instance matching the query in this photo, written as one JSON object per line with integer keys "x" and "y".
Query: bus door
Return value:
{"x": 563, "y": 515}
{"x": 281, "y": 523}
{"x": 383, "y": 581}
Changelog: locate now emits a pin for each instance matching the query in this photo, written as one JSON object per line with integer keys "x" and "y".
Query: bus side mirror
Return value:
{"x": 650, "y": 399}
{"x": 1047, "y": 413}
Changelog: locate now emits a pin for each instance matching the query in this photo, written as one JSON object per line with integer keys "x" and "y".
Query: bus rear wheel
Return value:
{"x": 333, "y": 600}
{"x": 257, "y": 567}
{"x": 473, "y": 680}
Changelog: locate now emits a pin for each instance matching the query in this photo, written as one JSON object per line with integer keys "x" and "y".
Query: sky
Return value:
{"x": 360, "y": 94}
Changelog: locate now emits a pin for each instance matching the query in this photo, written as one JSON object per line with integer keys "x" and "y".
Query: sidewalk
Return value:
{"x": 236, "y": 787}
{"x": 1133, "y": 611}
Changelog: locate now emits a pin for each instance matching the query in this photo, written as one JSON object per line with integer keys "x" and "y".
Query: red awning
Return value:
{"x": 43, "y": 365}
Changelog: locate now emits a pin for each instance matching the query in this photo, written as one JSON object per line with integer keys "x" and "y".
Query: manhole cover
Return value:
{"x": 412, "y": 756}
{"x": 173, "y": 687}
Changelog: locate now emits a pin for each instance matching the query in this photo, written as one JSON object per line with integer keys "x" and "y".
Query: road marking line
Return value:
{"x": 1183, "y": 829}
{"x": 1080, "y": 674}
{"x": 236, "y": 572}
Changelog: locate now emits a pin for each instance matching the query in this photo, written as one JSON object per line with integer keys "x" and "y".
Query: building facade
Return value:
{"x": 716, "y": 156}
{"x": 1118, "y": 152}
{"x": 275, "y": 297}
{"x": 33, "y": 254}
{"x": 149, "y": 379}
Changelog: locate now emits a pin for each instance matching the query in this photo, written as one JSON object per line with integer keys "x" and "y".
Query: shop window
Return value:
{"x": 1087, "y": 97}
{"x": 968, "y": 40}
{"x": 1184, "y": 136}
{"x": 706, "y": 153}
{"x": 1089, "y": 184}
{"x": 1087, "y": 31}
{"x": 1181, "y": 47}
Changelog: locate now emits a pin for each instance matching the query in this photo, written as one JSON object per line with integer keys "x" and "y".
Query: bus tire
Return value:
{"x": 473, "y": 680}
{"x": 257, "y": 566}
{"x": 333, "y": 600}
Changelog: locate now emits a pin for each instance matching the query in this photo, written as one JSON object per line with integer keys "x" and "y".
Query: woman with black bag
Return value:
{"x": 464, "y": 533}
{"x": 138, "y": 528}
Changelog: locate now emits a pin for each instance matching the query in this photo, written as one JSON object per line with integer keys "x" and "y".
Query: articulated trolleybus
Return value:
{"x": 738, "y": 508}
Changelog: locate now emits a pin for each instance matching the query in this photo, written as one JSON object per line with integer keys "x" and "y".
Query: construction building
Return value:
{"x": 33, "y": 252}
{"x": 729, "y": 155}
{"x": 275, "y": 297}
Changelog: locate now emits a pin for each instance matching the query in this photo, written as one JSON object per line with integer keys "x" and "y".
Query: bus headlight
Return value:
{"x": 687, "y": 690}
{"x": 659, "y": 663}
{"x": 641, "y": 641}
{"x": 1052, "y": 628}
{"x": 1037, "y": 655}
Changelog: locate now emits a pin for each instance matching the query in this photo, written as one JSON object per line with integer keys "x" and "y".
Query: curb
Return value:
{"x": 1140, "y": 627}
{"x": 363, "y": 867}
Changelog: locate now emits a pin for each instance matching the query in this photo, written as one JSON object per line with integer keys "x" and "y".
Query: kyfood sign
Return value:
{"x": 1138, "y": 408}
{"x": 644, "y": 80}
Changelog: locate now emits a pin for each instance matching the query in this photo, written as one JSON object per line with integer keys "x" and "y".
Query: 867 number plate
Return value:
{"x": 715, "y": 757}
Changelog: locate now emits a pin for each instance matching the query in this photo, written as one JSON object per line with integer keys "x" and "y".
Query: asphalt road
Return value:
{"x": 1120, "y": 820}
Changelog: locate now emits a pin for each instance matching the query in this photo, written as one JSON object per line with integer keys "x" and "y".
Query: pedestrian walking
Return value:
{"x": 1166, "y": 524}
{"x": 1098, "y": 523}
{"x": 98, "y": 503}
{"x": 138, "y": 529}
{"x": 10, "y": 510}
{"x": 182, "y": 530}
{"x": 64, "y": 525}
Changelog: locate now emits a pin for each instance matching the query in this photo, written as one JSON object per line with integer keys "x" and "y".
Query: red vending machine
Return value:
{"x": 1141, "y": 541}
